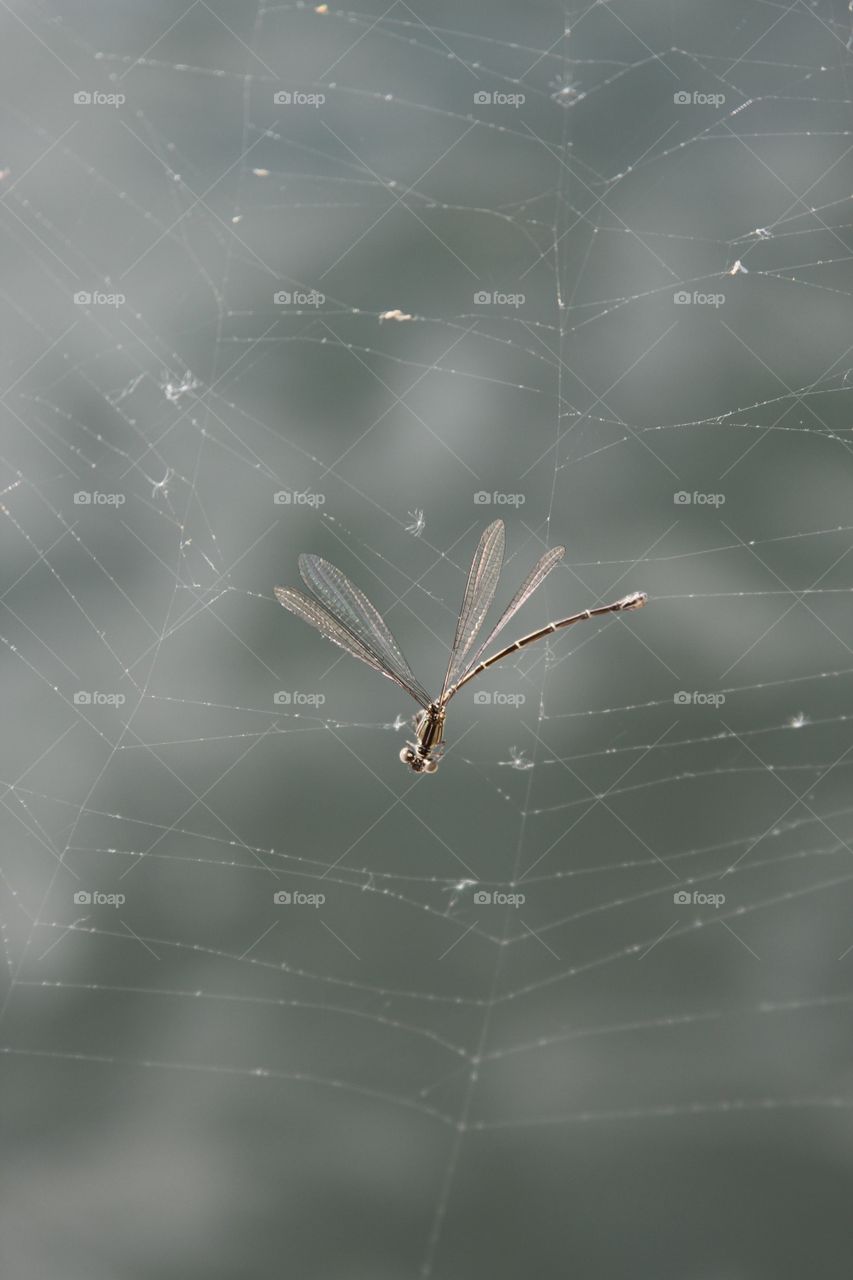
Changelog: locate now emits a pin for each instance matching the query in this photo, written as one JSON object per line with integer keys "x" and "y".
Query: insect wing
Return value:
{"x": 534, "y": 579}
{"x": 479, "y": 593}
{"x": 310, "y": 611}
{"x": 351, "y": 607}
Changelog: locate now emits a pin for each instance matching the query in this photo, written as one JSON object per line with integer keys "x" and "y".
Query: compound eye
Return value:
{"x": 407, "y": 755}
{"x": 430, "y": 766}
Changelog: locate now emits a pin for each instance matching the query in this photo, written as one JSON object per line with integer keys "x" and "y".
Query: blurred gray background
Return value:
{"x": 399, "y": 1080}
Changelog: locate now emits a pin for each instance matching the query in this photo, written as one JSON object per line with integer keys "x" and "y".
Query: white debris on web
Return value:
{"x": 175, "y": 388}
{"x": 566, "y": 90}
{"x": 458, "y": 893}
{"x": 417, "y": 523}
{"x": 161, "y": 486}
{"x": 518, "y": 759}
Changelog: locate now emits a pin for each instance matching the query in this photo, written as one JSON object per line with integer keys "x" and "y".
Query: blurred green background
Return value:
{"x": 617, "y": 244}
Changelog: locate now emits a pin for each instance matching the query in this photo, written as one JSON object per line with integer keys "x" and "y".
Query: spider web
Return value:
{"x": 363, "y": 322}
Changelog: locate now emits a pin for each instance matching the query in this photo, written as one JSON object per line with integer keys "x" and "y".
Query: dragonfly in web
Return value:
{"x": 344, "y": 615}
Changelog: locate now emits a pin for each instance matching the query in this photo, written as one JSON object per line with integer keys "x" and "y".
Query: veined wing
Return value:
{"x": 351, "y": 607}
{"x": 534, "y": 579}
{"x": 311, "y": 611}
{"x": 479, "y": 593}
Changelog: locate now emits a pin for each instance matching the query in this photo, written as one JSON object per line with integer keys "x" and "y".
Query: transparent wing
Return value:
{"x": 479, "y": 593}
{"x": 359, "y": 617}
{"x": 312, "y": 612}
{"x": 535, "y": 578}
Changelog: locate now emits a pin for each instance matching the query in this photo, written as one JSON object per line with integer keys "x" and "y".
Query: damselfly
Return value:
{"x": 344, "y": 615}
